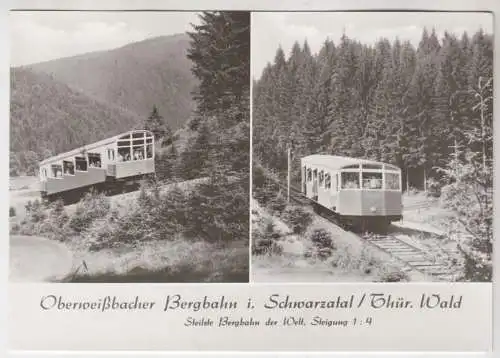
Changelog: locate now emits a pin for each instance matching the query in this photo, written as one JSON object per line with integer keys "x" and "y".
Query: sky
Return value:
{"x": 273, "y": 29}
{"x": 38, "y": 36}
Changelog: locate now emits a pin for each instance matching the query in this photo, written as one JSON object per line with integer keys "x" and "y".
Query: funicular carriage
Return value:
{"x": 357, "y": 193}
{"x": 112, "y": 165}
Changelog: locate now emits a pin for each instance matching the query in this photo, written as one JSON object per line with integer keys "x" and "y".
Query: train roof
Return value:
{"x": 90, "y": 147}
{"x": 338, "y": 162}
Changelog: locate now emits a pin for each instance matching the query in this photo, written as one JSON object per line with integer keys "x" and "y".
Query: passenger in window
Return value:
{"x": 375, "y": 183}
{"x": 351, "y": 185}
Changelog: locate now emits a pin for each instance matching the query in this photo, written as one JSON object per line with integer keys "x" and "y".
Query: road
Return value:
{"x": 36, "y": 259}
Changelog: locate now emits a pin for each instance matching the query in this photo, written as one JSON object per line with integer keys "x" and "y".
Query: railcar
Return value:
{"x": 112, "y": 165}
{"x": 358, "y": 193}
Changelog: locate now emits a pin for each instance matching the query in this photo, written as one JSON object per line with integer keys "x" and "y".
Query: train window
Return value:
{"x": 372, "y": 180}
{"x": 337, "y": 182}
{"x": 315, "y": 174}
{"x": 94, "y": 160}
{"x": 350, "y": 180}
{"x": 321, "y": 178}
{"x": 149, "y": 140}
{"x": 111, "y": 154}
{"x": 149, "y": 151}
{"x": 68, "y": 167}
{"x": 124, "y": 154}
{"x": 56, "y": 170}
{"x": 138, "y": 153}
{"x": 328, "y": 181}
{"x": 309, "y": 174}
{"x": 352, "y": 166}
{"x": 138, "y": 142}
{"x": 81, "y": 164}
{"x": 126, "y": 136}
{"x": 372, "y": 166}
{"x": 392, "y": 181}
{"x": 138, "y": 135}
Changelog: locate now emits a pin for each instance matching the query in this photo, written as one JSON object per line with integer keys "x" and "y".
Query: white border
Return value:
{"x": 195, "y": 5}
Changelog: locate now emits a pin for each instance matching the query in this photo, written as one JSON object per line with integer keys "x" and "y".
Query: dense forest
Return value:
{"x": 427, "y": 109}
{"x": 413, "y": 107}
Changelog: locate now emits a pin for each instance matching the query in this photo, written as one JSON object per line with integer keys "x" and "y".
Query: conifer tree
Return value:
{"x": 220, "y": 51}
{"x": 155, "y": 124}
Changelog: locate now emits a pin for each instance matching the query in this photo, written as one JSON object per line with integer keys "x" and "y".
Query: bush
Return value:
{"x": 298, "y": 218}
{"x": 35, "y": 211}
{"x": 433, "y": 188}
{"x": 104, "y": 233}
{"x": 323, "y": 246}
{"x": 277, "y": 204}
{"x": 12, "y": 211}
{"x": 265, "y": 242}
{"x": 90, "y": 208}
{"x": 469, "y": 195}
{"x": 47, "y": 220}
{"x": 322, "y": 238}
{"x": 218, "y": 211}
{"x": 394, "y": 277}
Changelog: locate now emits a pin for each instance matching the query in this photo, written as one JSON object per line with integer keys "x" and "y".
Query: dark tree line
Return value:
{"x": 408, "y": 106}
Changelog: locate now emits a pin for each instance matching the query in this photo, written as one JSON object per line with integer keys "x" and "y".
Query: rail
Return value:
{"x": 409, "y": 255}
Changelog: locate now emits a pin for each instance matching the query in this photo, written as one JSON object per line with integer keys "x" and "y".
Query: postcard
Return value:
{"x": 251, "y": 179}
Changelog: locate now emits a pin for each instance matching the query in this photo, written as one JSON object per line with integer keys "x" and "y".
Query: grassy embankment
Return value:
{"x": 148, "y": 236}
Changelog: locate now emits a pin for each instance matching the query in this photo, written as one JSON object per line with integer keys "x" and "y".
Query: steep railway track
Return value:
{"x": 406, "y": 253}
{"x": 413, "y": 257}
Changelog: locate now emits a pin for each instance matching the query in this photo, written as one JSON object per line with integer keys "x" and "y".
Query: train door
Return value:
{"x": 335, "y": 190}
{"x": 315, "y": 184}
{"x": 309, "y": 182}
{"x": 304, "y": 180}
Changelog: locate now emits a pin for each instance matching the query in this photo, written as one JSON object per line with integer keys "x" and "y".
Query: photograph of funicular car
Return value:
{"x": 358, "y": 193}
{"x": 112, "y": 165}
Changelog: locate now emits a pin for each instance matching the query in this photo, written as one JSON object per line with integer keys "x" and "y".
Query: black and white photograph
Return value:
{"x": 372, "y": 146}
{"x": 129, "y": 146}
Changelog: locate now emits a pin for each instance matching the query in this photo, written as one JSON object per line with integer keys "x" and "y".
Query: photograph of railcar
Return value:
{"x": 372, "y": 146}
{"x": 109, "y": 165}
{"x": 360, "y": 193}
{"x": 128, "y": 162}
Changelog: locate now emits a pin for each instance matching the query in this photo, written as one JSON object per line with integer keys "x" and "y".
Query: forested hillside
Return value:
{"x": 49, "y": 117}
{"x": 136, "y": 76}
{"x": 62, "y": 104}
{"x": 390, "y": 101}
{"x": 427, "y": 109}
